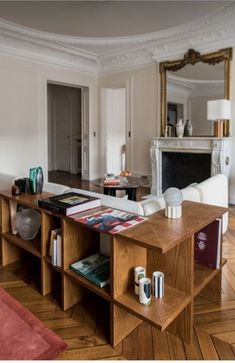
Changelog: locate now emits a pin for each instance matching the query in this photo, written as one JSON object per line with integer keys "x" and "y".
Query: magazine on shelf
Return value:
{"x": 69, "y": 203}
{"x": 207, "y": 245}
{"x": 111, "y": 220}
{"x": 96, "y": 268}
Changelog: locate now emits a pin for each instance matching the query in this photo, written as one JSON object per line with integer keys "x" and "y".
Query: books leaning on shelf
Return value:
{"x": 69, "y": 203}
{"x": 207, "y": 245}
{"x": 95, "y": 268}
{"x": 111, "y": 220}
{"x": 55, "y": 247}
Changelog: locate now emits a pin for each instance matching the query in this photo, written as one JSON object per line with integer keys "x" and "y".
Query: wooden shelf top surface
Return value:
{"x": 33, "y": 246}
{"x": 161, "y": 312}
{"x": 164, "y": 233}
{"x": 30, "y": 200}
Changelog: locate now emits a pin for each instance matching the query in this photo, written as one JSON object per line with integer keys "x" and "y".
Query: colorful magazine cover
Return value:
{"x": 111, "y": 220}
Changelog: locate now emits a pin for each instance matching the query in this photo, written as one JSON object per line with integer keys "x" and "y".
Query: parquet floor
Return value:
{"x": 214, "y": 329}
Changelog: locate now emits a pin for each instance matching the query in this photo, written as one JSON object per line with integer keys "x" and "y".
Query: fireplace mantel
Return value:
{"x": 219, "y": 148}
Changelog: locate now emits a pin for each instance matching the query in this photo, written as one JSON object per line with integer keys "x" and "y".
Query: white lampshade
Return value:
{"x": 218, "y": 110}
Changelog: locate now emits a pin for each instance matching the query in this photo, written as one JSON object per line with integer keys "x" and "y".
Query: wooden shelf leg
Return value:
{"x": 46, "y": 278}
{"x": 212, "y": 291}
{"x": 183, "y": 324}
{"x": 122, "y": 324}
{"x": 72, "y": 293}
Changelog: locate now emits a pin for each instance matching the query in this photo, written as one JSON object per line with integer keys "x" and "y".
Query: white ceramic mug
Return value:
{"x": 145, "y": 291}
{"x": 139, "y": 274}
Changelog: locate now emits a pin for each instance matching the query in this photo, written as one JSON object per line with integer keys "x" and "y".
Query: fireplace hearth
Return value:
{"x": 179, "y": 169}
{"x": 179, "y": 162}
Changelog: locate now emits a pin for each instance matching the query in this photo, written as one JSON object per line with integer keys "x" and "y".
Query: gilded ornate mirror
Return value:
{"x": 187, "y": 84}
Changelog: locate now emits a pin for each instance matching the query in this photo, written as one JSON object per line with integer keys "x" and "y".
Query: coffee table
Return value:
{"x": 129, "y": 184}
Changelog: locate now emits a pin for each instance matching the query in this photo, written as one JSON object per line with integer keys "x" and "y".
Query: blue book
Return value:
{"x": 96, "y": 268}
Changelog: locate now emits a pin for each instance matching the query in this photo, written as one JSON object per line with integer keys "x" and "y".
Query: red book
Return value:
{"x": 207, "y": 245}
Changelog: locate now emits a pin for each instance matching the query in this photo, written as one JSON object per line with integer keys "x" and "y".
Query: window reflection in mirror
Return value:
{"x": 188, "y": 91}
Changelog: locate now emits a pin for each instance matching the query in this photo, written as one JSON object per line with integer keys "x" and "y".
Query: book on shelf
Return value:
{"x": 111, "y": 220}
{"x": 53, "y": 236}
{"x": 55, "y": 249}
{"x": 95, "y": 268}
{"x": 207, "y": 245}
{"x": 69, "y": 203}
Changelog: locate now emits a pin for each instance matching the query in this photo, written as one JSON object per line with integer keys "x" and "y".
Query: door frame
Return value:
{"x": 84, "y": 128}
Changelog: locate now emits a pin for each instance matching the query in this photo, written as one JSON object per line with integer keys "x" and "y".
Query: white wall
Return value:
{"x": 232, "y": 128}
{"x": 142, "y": 99}
{"x": 23, "y": 113}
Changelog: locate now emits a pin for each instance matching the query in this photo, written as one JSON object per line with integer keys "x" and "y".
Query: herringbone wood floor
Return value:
{"x": 214, "y": 329}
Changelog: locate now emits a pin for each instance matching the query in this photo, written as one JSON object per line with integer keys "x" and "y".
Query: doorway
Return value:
{"x": 68, "y": 129}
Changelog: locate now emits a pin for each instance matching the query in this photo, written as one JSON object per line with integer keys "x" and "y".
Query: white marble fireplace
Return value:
{"x": 218, "y": 148}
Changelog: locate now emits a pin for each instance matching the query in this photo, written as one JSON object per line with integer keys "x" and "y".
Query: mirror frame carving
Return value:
{"x": 192, "y": 57}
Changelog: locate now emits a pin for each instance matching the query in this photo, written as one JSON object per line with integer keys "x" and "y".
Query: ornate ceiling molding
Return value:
{"x": 207, "y": 33}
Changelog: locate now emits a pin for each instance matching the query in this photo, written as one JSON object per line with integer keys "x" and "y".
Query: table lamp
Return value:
{"x": 217, "y": 111}
{"x": 173, "y": 198}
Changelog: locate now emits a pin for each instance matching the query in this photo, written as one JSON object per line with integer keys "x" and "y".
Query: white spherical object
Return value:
{"x": 173, "y": 197}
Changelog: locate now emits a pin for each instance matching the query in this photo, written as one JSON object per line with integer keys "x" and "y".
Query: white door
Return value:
{"x": 62, "y": 114}
{"x": 113, "y": 118}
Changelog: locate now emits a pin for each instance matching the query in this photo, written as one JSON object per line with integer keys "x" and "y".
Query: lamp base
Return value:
{"x": 173, "y": 212}
{"x": 218, "y": 128}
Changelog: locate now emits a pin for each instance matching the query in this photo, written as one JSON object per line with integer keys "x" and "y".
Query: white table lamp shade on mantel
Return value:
{"x": 218, "y": 110}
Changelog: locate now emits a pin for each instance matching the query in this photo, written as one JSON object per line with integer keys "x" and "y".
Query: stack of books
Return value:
{"x": 95, "y": 268}
{"x": 111, "y": 181}
{"x": 69, "y": 203}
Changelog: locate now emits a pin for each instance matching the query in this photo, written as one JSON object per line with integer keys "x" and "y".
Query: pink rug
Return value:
{"x": 22, "y": 335}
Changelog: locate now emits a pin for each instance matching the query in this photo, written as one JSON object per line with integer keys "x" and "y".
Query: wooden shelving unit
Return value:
{"x": 158, "y": 244}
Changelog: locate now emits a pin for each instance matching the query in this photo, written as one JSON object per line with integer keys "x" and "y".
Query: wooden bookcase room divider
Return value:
{"x": 159, "y": 243}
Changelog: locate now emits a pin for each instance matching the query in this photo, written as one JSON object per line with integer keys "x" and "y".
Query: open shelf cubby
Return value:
{"x": 158, "y": 244}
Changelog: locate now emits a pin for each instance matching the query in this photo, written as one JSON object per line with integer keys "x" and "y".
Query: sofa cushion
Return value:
{"x": 214, "y": 191}
{"x": 113, "y": 202}
{"x": 191, "y": 193}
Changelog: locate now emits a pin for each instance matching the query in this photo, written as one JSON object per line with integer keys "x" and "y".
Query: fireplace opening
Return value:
{"x": 181, "y": 169}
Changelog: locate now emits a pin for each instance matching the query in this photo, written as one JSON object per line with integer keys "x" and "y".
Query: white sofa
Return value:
{"x": 212, "y": 191}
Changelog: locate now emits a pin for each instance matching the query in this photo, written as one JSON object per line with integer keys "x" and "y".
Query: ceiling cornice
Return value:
{"x": 205, "y": 34}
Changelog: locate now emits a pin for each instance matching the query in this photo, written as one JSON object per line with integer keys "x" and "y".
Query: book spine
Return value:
{"x": 54, "y": 250}
{"x": 52, "y": 208}
{"x": 58, "y": 251}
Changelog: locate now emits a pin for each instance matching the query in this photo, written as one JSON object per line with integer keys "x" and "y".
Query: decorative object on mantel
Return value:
{"x": 173, "y": 198}
{"x": 218, "y": 111}
{"x": 188, "y": 129}
{"x": 179, "y": 128}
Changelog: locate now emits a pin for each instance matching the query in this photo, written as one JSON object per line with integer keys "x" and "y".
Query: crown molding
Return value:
{"x": 208, "y": 33}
